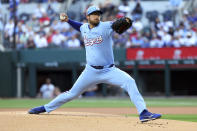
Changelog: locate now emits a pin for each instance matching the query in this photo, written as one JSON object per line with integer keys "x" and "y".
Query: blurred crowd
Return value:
{"x": 43, "y": 29}
{"x": 40, "y": 29}
{"x": 160, "y": 32}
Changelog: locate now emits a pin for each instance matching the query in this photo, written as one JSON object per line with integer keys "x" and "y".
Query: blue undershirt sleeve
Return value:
{"x": 74, "y": 24}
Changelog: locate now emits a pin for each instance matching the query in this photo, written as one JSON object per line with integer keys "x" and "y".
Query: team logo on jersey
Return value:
{"x": 92, "y": 41}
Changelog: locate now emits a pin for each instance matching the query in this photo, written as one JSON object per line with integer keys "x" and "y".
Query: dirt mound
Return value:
{"x": 78, "y": 121}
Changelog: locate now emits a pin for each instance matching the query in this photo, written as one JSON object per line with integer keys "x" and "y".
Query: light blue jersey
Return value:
{"x": 98, "y": 43}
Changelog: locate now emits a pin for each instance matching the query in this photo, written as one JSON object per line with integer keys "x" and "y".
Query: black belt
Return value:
{"x": 101, "y": 67}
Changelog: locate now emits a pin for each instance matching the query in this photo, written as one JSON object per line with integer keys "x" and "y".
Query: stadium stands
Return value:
{"x": 41, "y": 26}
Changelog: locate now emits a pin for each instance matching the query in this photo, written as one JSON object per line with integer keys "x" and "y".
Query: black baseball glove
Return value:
{"x": 122, "y": 24}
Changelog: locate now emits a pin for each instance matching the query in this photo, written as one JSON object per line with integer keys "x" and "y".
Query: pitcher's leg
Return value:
{"x": 131, "y": 87}
{"x": 63, "y": 98}
{"x": 83, "y": 82}
{"x": 125, "y": 81}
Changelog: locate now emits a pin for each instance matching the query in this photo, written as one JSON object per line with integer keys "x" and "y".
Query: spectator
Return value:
{"x": 106, "y": 7}
{"x": 30, "y": 43}
{"x": 166, "y": 38}
{"x": 157, "y": 24}
{"x": 47, "y": 89}
{"x": 156, "y": 42}
{"x": 124, "y": 7}
{"x": 50, "y": 36}
{"x": 138, "y": 25}
{"x": 38, "y": 11}
{"x": 64, "y": 25}
{"x": 137, "y": 41}
{"x": 146, "y": 37}
{"x": 185, "y": 20}
{"x": 137, "y": 11}
{"x": 29, "y": 31}
{"x": 133, "y": 33}
{"x": 44, "y": 20}
{"x": 40, "y": 40}
{"x": 74, "y": 42}
{"x": 60, "y": 25}
{"x": 9, "y": 27}
{"x": 51, "y": 13}
{"x": 120, "y": 40}
{"x": 7, "y": 40}
{"x": 55, "y": 25}
{"x": 58, "y": 39}
{"x": 22, "y": 41}
{"x": 167, "y": 24}
{"x": 21, "y": 26}
{"x": 34, "y": 23}
{"x": 175, "y": 42}
{"x": 190, "y": 40}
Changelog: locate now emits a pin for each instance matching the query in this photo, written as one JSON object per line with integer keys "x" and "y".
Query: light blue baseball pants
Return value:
{"x": 90, "y": 77}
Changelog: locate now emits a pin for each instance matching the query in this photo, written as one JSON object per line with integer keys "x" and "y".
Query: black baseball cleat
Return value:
{"x": 147, "y": 116}
{"x": 37, "y": 110}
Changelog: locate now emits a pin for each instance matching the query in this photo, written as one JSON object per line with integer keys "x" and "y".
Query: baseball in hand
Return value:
{"x": 62, "y": 17}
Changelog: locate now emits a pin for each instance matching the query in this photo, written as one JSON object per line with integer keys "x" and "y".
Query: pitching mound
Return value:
{"x": 77, "y": 121}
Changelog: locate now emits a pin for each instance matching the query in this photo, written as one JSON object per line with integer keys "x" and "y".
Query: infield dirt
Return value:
{"x": 64, "y": 120}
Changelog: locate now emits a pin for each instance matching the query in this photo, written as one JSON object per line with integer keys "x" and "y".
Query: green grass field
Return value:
{"x": 101, "y": 102}
{"x": 111, "y": 102}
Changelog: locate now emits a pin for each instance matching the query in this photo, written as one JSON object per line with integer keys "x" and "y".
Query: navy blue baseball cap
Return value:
{"x": 92, "y": 9}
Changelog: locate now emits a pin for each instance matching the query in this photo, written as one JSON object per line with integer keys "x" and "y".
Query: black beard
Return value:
{"x": 94, "y": 24}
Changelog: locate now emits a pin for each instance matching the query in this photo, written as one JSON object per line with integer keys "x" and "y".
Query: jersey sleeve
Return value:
{"x": 108, "y": 27}
{"x": 83, "y": 28}
{"x": 76, "y": 25}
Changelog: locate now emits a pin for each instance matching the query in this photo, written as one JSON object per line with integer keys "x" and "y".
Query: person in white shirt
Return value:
{"x": 176, "y": 41}
{"x": 40, "y": 40}
{"x": 156, "y": 42}
{"x": 166, "y": 38}
{"x": 138, "y": 25}
{"x": 47, "y": 89}
{"x": 190, "y": 40}
{"x": 9, "y": 27}
{"x": 74, "y": 42}
{"x": 58, "y": 39}
{"x": 38, "y": 11}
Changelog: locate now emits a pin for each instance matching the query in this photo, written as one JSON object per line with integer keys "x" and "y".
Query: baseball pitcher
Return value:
{"x": 100, "y": 66}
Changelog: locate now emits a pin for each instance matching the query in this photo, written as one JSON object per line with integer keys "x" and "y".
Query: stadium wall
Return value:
{"x": 8, "y": 74}
{"x": 168, "y": 77}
